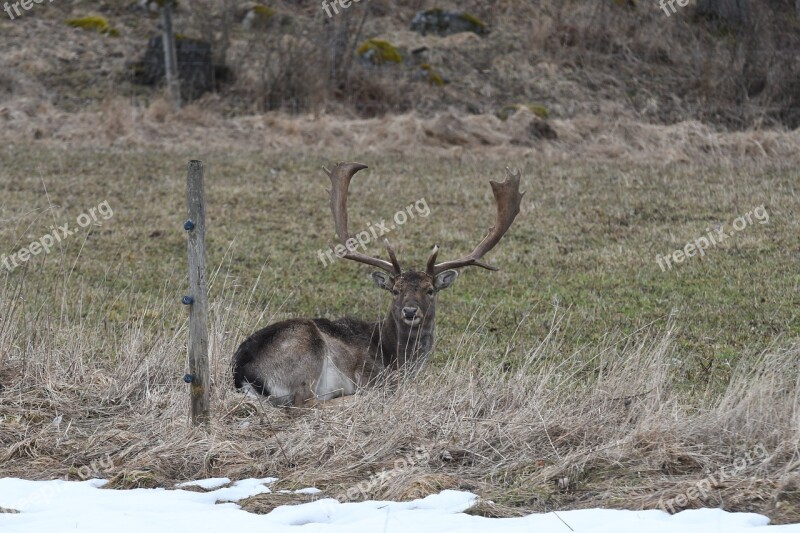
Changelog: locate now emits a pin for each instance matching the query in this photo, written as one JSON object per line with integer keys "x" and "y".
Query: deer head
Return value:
{"x": 414, "y": 292}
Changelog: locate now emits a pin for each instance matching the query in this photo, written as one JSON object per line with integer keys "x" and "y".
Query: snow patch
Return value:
{"x": 84, "y": 506}
{"x": 207, "y": 484}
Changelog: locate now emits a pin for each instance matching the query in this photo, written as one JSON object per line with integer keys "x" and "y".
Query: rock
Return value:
{"x": 379, "y": 52}
{"x": 735, "y": 13}
{"x": 445, "y": 23}
{"x": 527, "y": 126}
{"x": 258, "y": 17}
{"x": 508, "y": 110}
{"x": 196, "y": 72}
{"x": 94, "y": 23}
{"x": 541, "y": 129}
{"x": 455, "y": 130}
{"x": 431, "y": 75}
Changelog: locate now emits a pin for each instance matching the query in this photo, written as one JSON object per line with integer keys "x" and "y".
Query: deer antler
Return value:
{"x": 340, "y": 179}
{"x": 507, "y": 197}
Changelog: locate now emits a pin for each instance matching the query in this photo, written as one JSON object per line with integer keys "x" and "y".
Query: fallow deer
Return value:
{"x": 307, "y": 360}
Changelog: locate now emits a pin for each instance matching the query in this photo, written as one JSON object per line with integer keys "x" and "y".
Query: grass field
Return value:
{"x": 579, "y": 374}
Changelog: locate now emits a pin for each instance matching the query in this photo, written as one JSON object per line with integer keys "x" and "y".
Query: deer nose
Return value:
{"x": 409, "y": 312}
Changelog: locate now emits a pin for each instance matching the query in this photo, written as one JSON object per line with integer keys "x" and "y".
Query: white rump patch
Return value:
{"x": 333, "y": 382}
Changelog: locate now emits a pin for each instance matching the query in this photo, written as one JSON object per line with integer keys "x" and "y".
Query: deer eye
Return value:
{"x": 395, "y": 292}
{"x": 430, "y": 292}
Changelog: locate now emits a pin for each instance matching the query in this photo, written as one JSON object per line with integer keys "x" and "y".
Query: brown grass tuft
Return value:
{"x": 593, "y": 138}
{"x": 603, "y": 427}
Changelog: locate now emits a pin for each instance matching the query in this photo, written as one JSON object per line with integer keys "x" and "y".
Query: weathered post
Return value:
{"x": 170, "y": 55}
{"x": 197, "y": 300}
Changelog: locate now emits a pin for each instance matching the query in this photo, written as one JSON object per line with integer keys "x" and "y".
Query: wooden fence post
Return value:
{"x": 198, "y": 376}
{"x": 170, "y": 55}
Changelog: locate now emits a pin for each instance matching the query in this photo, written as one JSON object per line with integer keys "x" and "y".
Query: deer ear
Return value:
{"x": 383, "y": 280}
{"x": 444, "y": 279}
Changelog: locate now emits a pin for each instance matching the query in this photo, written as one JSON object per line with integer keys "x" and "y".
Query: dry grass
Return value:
{"x": 558, "y": 383}
{"x": 579, "y": 59}
{"x": 531, "y": 405}
{"x": 122, "y": 125}
{"x": 548, "y": 435}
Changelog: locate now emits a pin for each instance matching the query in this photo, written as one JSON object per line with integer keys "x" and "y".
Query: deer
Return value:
{"x": 302, "y": 362}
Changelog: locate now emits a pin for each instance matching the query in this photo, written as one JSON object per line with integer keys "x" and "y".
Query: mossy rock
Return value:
{"x": 445, "y": 23}
{"x": 94, "y": 23}
{"x": 537, "y": 109}
{"x": 432, "y": 75}
{"x": 264, "y": 11}
{"x": 475, "y": 21}
{"x": 379, "y": 52}
{"x": 259, "y": 17}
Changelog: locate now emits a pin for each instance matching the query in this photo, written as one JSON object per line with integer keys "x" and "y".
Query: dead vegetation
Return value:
{"x": 87, "y": 377}
{"x": 601, "y": 427}
{"x": 594, "y": 79}
{"x": 118, "y": 124}
{"x": 529, "y": 410}
{"x": 579, "y": 62}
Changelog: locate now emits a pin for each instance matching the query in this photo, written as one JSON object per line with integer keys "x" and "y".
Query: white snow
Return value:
{"x": 58, "y": 505}
{"x": 308, "y": 490}
{"x": 208, "y": 484}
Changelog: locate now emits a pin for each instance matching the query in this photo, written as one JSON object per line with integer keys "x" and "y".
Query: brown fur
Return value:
{"x": 286, "y": 361}
{"x": 303, "y": 360}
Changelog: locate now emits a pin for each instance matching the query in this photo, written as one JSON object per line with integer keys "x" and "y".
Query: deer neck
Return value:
{"x": 404, "y": 346}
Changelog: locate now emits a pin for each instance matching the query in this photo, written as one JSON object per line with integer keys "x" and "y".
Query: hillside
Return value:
{"x": 607, "y": 79}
